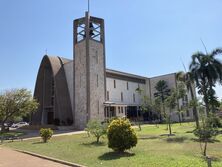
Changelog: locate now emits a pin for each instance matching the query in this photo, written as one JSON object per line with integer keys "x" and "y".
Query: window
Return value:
{"x": 97, "y": 80}
{"x": 182, "y": 115}
{"x": 134, "y": 98}
{"x": 185, "y": 100}
{"x": 107, "y": 95}
{"x": 127, "y": 85}
{"x": 122, "y": 96}
{"x": 188, "y": 113}
{"x": 80, "y": 83}
{"x": 105, "y": 110}
{"x": 125, "y": 111}
{"x": 97, "y": 60}
{"x": 98, "y": 106}
{"x": 114, "y": 83}
{"x": 52, "y": 100}
{"x": 119, "y": 110}
{"x": 53, "y": 87}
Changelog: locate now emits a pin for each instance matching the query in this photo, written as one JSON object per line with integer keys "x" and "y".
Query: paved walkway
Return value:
{"x": 10, "y": 158}
{"x": 35, "y": 134}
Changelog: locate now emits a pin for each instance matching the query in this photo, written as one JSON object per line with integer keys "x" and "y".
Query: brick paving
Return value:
{"x": 11, "y": 158}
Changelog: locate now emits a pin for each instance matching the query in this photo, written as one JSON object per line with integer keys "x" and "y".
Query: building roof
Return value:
{"x": 54, "y": 60}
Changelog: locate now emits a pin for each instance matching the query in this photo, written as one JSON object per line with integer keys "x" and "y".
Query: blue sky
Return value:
{"x": 144, "y": 37}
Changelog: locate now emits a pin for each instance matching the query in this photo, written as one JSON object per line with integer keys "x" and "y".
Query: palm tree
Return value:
{"x": 206, "y": 71}
{"x": 187, "y": 79}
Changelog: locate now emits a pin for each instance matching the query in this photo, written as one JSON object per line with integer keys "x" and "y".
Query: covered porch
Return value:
{"x": 112, "y": 109}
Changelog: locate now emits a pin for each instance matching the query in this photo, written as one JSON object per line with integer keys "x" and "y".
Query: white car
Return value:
{"x": 19, "y": 124}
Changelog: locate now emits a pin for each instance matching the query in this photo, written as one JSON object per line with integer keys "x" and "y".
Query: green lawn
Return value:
{"x": 14, "y": 134}
{"x": 154, "y": 149}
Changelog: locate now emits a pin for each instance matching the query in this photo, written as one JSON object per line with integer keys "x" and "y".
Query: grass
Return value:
{"x": 11, "y": 134}
{"x": 154, "y": 149}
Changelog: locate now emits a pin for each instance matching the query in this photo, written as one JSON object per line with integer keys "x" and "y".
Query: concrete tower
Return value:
{"x": 89, "y": 70}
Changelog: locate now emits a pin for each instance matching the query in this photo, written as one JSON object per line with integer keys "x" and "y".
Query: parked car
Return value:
{"x": 6, "y": 124}
{"x": 19, "y": 124}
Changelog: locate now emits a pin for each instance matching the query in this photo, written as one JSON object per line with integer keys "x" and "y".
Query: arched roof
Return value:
{"x": 62, "y": 106}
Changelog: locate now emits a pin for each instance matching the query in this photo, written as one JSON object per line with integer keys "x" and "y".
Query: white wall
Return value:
{"x": 171, "y": 82}
{"x": 121, "y": 86}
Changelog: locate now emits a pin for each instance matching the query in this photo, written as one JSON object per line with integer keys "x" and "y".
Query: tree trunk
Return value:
{"x": 170, "y": 126}
{"x": 205, "y": 149}
{"x": 209, "y": 162}
{"x": 194, "y": 109}
{"x": 157, "y": 125}
{"x": 138, "y": 120}
{"x": 213, "y": 107}
{"x": 3, "y": 126}
{"x": 206, "y": 104}
{"x": 165, "y": 116}
{"x": 179, "y": 118}
{"x": 178, "y": 108}
{"x": 205, "y": 95}
{"x": 139, "y": 125}
{"x": 97, "y": 139}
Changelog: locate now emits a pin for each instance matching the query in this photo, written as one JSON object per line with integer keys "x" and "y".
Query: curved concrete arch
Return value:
{"x": 51, "y": 90}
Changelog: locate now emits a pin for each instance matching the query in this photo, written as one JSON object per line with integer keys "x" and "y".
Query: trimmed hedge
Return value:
{"x": 121, "y": 136}
{"x": 46, "y": 134}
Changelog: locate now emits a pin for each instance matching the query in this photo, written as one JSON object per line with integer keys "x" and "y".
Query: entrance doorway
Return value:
{"x": 50, "y": 117}
{"x": 110, "y": 112}
{"x": 132, "y": 112}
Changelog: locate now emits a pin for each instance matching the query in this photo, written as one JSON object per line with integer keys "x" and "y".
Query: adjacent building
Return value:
{"x": 75, "y": 91}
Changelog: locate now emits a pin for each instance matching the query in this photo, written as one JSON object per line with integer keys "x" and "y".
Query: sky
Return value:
{"x": 143, "y": 37}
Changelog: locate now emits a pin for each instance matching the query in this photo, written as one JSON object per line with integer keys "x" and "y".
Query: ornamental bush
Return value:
{"x": 214, "y": 121}
{"x": 46, "y": 134}
{"x": 96, "y": 128}
{"x": 121, "y": 136}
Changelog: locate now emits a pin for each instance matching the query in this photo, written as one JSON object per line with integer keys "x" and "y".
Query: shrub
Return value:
{"x": 96, "y": 128}
{"x": 214, "y": 121}
{"x": 121, "y": 136}
{"x": 205, "y": 133}
{"x": 46, "y": 134}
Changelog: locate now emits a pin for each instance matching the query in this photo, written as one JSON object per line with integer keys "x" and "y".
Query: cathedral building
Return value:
{"x": 76, "y": 91}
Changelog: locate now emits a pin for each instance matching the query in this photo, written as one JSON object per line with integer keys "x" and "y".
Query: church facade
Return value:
{"x": 75, "y": 91}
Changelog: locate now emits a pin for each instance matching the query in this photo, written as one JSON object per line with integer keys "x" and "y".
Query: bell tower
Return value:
{"x": 89, "y": 70}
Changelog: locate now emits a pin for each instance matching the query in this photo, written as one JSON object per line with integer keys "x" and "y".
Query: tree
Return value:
{"x": 121, "y": 136}
{"x": 206, "y": 71}
{"x": 171, "y": 103}
{"x": 97, "y": 129}
{"x": 220, "y": 108}
{"x": 207, "y": 130}
{"x": 205, "y": 133}
{"x": 146, "y": 104}
{"x": 15, "y": 103}
{"x": 187, "y": 79}
{"x": 162, "y": 92}
{"x": 180, "y": 92}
